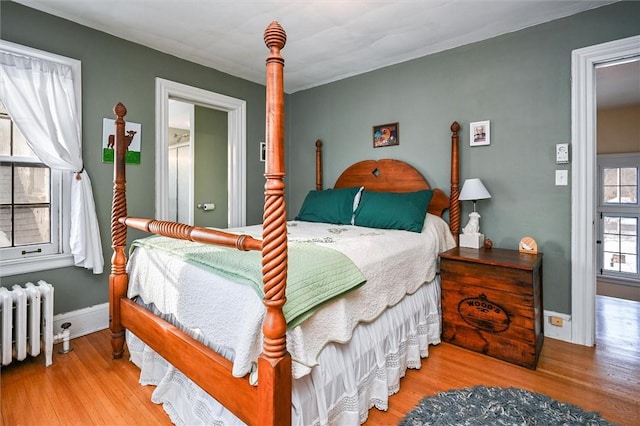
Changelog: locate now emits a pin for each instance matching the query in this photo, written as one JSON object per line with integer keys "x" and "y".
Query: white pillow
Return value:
{"x": 356, "y": 202}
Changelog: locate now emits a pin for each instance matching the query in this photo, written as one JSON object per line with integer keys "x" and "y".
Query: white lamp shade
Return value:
{"x": 473, "y": 189}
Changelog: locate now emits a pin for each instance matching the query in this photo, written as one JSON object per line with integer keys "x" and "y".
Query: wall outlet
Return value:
{"x": 557, "y": 321}
{"x": 557, "y": 326}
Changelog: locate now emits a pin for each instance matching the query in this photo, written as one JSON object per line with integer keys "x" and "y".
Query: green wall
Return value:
{"x": 520, "y": 81}
{"x": 115, "y": 70}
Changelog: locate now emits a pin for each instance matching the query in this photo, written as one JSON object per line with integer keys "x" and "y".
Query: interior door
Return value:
{"x": 210, "y": 144}
{"x": 236, "y": 112}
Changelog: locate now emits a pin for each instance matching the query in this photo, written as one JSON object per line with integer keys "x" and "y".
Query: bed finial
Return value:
{"x": 120, "y": 110}
{"x": 275, "y": 36}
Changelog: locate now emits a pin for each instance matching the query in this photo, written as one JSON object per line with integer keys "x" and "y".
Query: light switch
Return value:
{"x": 562, "y": 177}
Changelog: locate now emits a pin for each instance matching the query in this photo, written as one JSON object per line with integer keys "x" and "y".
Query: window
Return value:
{"x": 619, "y": 212}
{"x": 34, "y": 199}
{"x": 30, "y": 203}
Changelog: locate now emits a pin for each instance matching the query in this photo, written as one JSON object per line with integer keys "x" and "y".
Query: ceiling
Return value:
{"x": 328, "y": 39}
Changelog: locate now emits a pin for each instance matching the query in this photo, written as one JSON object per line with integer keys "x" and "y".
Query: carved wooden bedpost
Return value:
{"x": 454, "y": 204}
{"x": 274, "y": 364}
{"x": 118, "y": 278}
{"x": 318, "y": 165}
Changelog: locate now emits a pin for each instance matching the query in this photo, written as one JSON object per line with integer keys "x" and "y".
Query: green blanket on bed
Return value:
{"x": 316, "y": 273}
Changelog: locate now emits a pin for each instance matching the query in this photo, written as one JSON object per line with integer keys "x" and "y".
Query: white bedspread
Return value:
{"x": 228, "y": 315}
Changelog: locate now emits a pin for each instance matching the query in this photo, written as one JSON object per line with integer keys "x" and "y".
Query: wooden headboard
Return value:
{"x": 398, "y": 176}
{"x": 391, "y": 175}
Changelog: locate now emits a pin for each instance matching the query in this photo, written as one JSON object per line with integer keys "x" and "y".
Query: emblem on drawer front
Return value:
{"x": 482, "y": 313}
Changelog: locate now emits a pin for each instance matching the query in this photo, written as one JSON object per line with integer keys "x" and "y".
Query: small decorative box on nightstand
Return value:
{"x": 471, "y": 240}
{"x": 492, "y": 302}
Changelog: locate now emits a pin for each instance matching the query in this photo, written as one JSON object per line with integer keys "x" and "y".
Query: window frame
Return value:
{"x": 612, "y": 161}
{"x": 60, "y": 183}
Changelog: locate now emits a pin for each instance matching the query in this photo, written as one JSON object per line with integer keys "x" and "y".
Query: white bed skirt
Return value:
{"x": 349, "y": 380}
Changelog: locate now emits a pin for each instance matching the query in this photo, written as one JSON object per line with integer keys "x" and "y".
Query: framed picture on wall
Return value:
{"x": 480, "y": 133}
{"x": 386, "y": 135}
{"x": 133, "y": 133}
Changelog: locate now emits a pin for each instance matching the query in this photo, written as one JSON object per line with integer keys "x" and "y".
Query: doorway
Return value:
{"x": 583, "y": 190}
{"x": 236, "y": 145}
{"x": 618, "y": 211}
{"x": 197, "y": 165}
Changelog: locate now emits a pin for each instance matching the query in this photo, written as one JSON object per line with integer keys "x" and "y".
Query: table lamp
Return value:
{"x": 474, "y": 190}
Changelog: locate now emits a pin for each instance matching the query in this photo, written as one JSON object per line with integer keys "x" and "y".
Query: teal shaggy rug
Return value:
{"x": 497, "y": 406}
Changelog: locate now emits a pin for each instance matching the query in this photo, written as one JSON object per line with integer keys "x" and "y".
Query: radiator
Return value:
{"x": 26, "y": 322}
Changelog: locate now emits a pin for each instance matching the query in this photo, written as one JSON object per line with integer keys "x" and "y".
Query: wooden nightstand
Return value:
{"x": 492, "y": 302}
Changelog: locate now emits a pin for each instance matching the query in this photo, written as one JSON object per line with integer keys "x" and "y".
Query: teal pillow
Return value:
{"x": 334, "y": 206}
{"x": 392, "y": 210}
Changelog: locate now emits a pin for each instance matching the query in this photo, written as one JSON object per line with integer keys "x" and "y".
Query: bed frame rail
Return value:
{"x": 206, "y": 368}
{"x": 193, "y": 233}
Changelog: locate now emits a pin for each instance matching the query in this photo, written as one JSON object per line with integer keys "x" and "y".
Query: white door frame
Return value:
{"x": 236, "y": 120}
{"x": 583, "y": 176}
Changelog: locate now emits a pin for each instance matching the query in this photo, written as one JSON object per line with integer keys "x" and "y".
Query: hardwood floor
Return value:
{"x": 85, "y": 387}
{"x": 605, "y": 378}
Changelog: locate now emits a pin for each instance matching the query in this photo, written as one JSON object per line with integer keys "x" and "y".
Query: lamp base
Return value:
{"x": 471, "y": 240}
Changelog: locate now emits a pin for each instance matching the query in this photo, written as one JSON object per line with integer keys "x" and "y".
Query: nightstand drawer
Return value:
{"x": 492, "y": 303}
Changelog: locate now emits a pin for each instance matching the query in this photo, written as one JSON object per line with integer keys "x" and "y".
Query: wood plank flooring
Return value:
{"x": 85, "y": 387}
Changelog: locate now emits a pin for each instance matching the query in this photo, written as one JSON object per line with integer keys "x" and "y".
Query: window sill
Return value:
{"x": 42, "y": 263}
{"x": 618, "y": 280}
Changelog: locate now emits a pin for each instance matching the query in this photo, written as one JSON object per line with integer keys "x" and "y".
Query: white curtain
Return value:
{"x": 40, "y": 97}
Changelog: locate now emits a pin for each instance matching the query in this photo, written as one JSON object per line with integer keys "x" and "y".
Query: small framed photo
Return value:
{"x": 263, "y": 151}
{"x": 386, "y": 135}
{"x": 480, "y": 133}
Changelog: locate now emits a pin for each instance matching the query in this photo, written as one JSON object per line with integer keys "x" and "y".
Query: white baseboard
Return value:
{"x": 561, "y": 331}
{"x": 83, "y": 321}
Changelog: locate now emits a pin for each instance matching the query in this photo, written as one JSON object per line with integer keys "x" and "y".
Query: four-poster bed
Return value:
{"x": 408, "y": 310}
